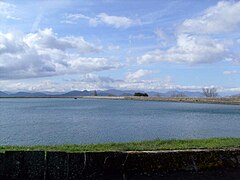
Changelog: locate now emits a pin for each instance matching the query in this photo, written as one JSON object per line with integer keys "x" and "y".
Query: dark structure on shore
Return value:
{"x": 140, "y": 94}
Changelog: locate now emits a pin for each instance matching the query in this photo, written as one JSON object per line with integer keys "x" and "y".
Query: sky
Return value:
{"x": 149, "y": 45}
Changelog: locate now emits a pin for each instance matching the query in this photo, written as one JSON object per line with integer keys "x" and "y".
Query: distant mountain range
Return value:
{"x": 110, "y": 92}
{"x": 2, "y": 94}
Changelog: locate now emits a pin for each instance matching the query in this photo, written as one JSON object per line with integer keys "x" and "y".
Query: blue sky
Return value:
{"x": 122, "y": 44}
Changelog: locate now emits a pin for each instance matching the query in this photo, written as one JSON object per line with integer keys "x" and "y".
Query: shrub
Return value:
{"x": 140, "y": 94}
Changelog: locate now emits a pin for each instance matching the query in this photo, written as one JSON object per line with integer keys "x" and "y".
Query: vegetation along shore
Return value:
{"x": 153, "y": 145}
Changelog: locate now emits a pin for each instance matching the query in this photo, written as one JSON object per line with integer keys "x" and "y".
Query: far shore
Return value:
{"x": 223, "y": 100}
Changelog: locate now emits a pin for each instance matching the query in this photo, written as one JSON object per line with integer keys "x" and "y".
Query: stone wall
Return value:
{"x": 192, "y": 164}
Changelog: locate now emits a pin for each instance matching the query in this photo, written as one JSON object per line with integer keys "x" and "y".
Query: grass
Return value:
{"x": 154, "y": 145}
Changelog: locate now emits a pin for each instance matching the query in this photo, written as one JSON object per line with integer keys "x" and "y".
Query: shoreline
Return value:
{"x": 138, "y": 146}
{"x": 224, "y": 100}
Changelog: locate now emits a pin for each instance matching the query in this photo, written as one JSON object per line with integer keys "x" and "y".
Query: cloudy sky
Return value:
{"x": 148, "y": 45}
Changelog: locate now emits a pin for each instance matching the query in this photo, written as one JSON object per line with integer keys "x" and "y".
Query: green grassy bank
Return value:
{"x": 154, "y": 145}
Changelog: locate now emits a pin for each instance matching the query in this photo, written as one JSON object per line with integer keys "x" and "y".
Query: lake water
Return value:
{"x": 69, "y": 121}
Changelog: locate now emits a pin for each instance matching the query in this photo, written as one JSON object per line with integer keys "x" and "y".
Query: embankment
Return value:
{"x": 178, "y": 164}
{"x": 225, "y": 100}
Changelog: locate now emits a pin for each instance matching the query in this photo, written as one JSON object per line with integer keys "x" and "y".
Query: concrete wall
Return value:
{"x": 121, "y": 165}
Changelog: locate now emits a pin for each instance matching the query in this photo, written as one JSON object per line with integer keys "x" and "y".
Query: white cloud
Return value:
{"x": 10, "y": 43}
{"x": 95, "y": 78}
{"x": 139, "y": 74}
{"x": 140, "y": 37}
{"x": 88, "y": 81}
{"x": 48, "y": 39}
{"x": 189, "y": 49}
{"x": 117, "y": 21}
{"x": 103, "y": 18}
{"x": 74, "y": 18}
{"x": 113, "y": 47}
{"x": 163, "y": 39}
{"x": 231, "y": 72}
{"x": 77, "y": 16}
{"x": 161, "y": 34}
{"x": 44, "y": 54}
{"x": 92, "y": 81}
{"x": 85, "y": 65}
{"x": 233, "y": 89}
{"x": 37, "y": 22}
{"x": 198, "y": 40}
{"x": 224, "y": 17}
{"x": 7, "y": 10}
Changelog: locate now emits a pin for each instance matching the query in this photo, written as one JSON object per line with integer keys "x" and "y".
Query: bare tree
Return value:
{"x": 210, "y": 92}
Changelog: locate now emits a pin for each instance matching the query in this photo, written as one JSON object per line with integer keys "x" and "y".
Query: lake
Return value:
{"x": 68, "y": 121}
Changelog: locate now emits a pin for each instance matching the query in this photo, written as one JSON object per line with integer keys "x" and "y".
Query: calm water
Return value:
{"x": 69, "y": 121}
